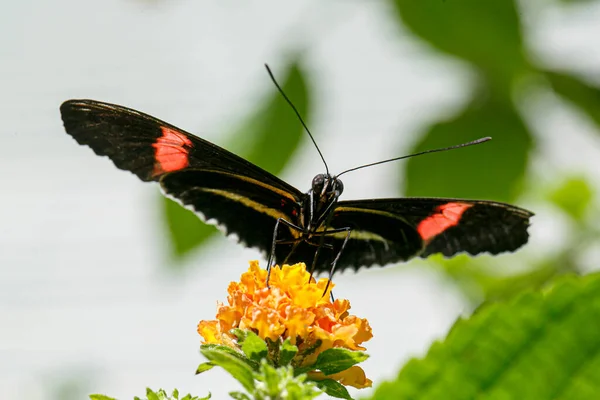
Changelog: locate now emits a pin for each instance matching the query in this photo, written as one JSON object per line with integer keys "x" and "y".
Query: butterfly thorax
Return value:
{"x": 320, "y": 200}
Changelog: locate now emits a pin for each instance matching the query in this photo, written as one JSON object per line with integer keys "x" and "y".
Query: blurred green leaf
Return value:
{"x": 271, "y": 379}
{"x": 236, "y": 367}
{"x": 578, "y": 2}
{"x": 484, "y": 33}
{"x": 492, "y": 170}
{"x": 271, "y": 136}
{"x": 186, "y": 230}
{"x": 268, "y": 138}
{"x": 333, "y": 389}
{"x": 541, "y": 345}
{"x": 480, "y": 279}
{"x": 574, "y": 197}
{"x": 580, "y": 93}
{"x": 100, "y": 397}
{"x": 239, "y": 396}
{"x": 161, "y": 394}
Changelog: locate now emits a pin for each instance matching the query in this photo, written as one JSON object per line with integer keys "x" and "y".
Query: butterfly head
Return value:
{"x": 327, "y": 187}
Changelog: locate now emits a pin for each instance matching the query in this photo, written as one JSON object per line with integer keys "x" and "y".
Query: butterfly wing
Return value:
{"x": 149, "y": 147}
{"x": 235, "y": 203}
{"x": 222, "y": 188}
{"x": 394, "y": 230}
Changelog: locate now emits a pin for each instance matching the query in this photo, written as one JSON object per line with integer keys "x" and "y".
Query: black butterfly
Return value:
{"x": 268, "y": 214}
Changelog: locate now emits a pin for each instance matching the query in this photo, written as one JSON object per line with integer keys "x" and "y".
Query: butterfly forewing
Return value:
{"x": 149, "y": 147}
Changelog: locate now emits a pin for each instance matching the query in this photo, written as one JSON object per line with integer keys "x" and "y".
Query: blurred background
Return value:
{"x": 102, "y": 281}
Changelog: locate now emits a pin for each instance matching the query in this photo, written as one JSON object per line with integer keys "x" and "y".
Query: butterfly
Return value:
{"x": 288, "y": 225}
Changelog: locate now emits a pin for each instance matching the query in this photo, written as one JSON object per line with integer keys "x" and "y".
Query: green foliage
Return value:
{"x": 488, "y": 37}
{"x": 268, "y": 138}
{"x": 573, "y": 197}
{"x": 152, "y": 395}
{"x": 487, "y": 34}
{"x": 206, "y": 366}
{"x": 262, "y": 380}
{"x": 493, "y": 170}
{"x": 239, "y": 396}
{"x": 335, "y": 360}
{"x": 237, "y": 367}
{"x": 254, "y": 347}
{"x": 287, "y": 352}
{"x": 282, "y": 383}
{"x": 481, "y": 278}
{"x": 275, "y": 375}
{"x": 186, "y": 230}
{"x": 540, "y": 345}
{"x": 581, "y": 94}
{"x": 333, "y": 389}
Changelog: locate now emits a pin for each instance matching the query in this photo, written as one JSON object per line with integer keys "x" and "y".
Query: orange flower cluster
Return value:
{"x": 295, "y": 308}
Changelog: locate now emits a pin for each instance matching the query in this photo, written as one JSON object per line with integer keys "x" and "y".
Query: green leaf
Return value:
{"x": 230, "y": 351}
{"x": 333, "y": 389}
{"x": 268, "y": 138}
{"x": 479, "y": 276}
{"x": 574, "y": 197}
{"x": 335, "y": 360}
{"x": 160, "y": 395}
{"x": 204, "y": 367}
{"x": 100, "y": 397}
{"x": 582, "y": 94}
{"x": 220, "y": 347}
{"x": 541, "y": 345}
{"x": 287, "y": 352}
{"x": 241, "y": 334}
{"x": 272, "y": 135}
{"x": 484, "y": 33}
{"x": 254, "y": 347}
{"x": 271, "y": 379}
{"x": 186, "y": 230}
{"x": 493, "y": 170}
{"x": 236, "y": 367}
{"x": 239, "y": 396}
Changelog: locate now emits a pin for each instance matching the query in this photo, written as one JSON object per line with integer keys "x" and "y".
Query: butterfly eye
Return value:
{"x": 318, "y": 182}
{"x": 339, "y": 187}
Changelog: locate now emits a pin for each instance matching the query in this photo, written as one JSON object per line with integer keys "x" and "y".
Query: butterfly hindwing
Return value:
{"x": 239, "y": 205}
{"x": 393, "y": 230}
{"x": 377, "y": 237}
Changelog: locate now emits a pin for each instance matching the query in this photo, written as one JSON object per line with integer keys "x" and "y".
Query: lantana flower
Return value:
{"x": 293, "y": 308}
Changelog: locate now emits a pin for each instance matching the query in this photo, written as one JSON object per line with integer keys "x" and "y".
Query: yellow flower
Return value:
{"x": 295, "y": 308}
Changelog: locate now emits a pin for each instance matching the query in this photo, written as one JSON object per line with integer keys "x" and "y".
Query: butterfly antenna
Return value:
{"x": 458, "y": 146}
{"x": 298, "y": 115}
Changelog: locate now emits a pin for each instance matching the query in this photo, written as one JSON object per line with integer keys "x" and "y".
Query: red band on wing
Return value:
{"x": 171, "y": 151}
{"x": 444, "y": 217}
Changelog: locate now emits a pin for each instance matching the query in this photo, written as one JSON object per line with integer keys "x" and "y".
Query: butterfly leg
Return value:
{"x": 348, "y": 231}
{"x": 274, "y": 242}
